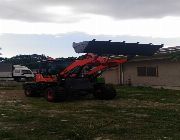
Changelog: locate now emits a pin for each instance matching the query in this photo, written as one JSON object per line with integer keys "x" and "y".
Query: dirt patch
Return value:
{"x": 12, "y": 97}
{"x": 11, "y": 94}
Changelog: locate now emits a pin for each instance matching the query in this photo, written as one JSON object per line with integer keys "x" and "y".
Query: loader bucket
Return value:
{"x": 116, "y": 48}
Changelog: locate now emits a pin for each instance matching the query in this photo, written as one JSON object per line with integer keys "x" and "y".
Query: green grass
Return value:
{"x": 137, "y": 113}
{"x": 150, "y": 94}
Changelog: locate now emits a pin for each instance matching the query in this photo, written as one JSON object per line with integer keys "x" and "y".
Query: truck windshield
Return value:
{"x": 26, "y": 72}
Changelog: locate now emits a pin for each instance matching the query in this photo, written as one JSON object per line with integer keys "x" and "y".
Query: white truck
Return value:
{"x": 17, "y": 72}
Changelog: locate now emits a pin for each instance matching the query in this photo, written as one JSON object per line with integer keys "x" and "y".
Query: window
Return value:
{"x": 147, "y": 71}
{"x": 141, "y": 71}
{"x": 26, "y": 72}
{"x": 152, "y": 71}
{"x": 17, "y": 71}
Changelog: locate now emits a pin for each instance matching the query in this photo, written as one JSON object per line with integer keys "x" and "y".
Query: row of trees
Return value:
{"x": 33, "y": 61}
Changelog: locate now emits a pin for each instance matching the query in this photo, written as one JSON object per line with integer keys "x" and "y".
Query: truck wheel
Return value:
{"x": 28, "y": 92}
{"x": 104, "y": 92}
{"x": 17, "y": 79}
{"x": 29, "y": 79}
{"x": 50, "y": 94}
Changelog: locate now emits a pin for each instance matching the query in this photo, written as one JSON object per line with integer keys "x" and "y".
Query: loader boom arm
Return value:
{"x": 90, "y": 65}
{"x": 97, "y": 58}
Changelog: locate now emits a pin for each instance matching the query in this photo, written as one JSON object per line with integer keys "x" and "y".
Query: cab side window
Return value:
{"x": 17, "y": 71}
{"x": 26, "y": 72}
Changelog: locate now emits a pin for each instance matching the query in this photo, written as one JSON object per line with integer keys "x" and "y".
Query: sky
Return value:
{"x": 51, "y": 26}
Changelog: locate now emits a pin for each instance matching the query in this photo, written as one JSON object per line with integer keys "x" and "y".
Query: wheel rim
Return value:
{"x": 28, "y": 92}
{"x": 50, "y": 95}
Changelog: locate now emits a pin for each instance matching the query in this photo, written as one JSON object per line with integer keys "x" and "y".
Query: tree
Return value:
{"x": 175, "y": 56}
{"x": 30, "y": 61}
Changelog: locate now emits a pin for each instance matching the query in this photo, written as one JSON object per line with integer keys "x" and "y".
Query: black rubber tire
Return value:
{"x": 98, "y": 94}
{"x": 29, "y": 79}
{"x": 109, "y": 92}
{"x": 28, "y": 92}
{"x": 61, "y": 94}
{"x": 55, "y": 94}
{"x": 17, "y": 79}
{"x": 104, "y": 92}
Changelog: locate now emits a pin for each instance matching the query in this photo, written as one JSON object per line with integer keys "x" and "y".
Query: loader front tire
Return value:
{"x": 50, "y": 94}
{"x": 28, "y": 92}
{"x": 55, "y": 94}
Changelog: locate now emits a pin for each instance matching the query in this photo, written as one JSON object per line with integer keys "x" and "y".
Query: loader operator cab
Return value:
{"x": 52, "y": 67}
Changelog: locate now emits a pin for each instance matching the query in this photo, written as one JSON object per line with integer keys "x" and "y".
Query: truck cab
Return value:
{"x": 22, "y": 72}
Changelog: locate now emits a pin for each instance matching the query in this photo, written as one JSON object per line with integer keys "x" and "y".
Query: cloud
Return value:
{"x": 60, "y": 45}
{"x": 35, "y": 10}
{"x": 32, "y": 11}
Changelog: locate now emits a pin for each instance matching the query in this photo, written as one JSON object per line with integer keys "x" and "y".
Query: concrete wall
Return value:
{"x": 168, "y": 73}
{"x": 112, "y": 76}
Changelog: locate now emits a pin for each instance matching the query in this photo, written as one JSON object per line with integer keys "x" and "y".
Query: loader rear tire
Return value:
{"x": 104, "y": 92}
{"x": 98, "y": 94}
{"x": 109, "y": 92}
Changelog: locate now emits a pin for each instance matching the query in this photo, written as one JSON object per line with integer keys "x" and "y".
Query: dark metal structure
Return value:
{"x": 116, "y": 48}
